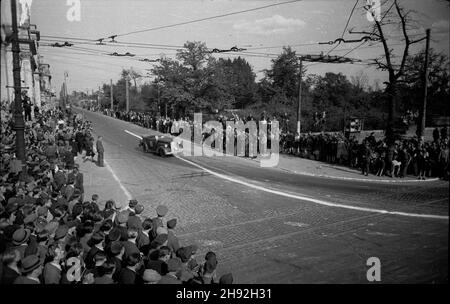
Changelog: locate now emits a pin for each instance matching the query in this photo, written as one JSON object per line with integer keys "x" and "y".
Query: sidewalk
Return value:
{"x": 310, "y": 167}
{"x": 100, "y": 180}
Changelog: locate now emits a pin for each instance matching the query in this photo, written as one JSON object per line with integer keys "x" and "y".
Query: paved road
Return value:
{"x": 313, "y": 235}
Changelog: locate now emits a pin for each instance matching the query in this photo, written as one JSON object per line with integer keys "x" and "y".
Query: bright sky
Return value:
{"x": 262, "y": 31}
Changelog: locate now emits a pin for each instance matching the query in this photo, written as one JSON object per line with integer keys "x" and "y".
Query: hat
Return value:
{"x": 183, "y": 254}
{"x": 42, "y": 211}
{"x": 161, "y": 230}
{"x": 40, "y": 224}
{"x": 114, "y": 234}
{"x": 13, "y": 205}
{"x": 161, "y": 210}
{"x": 30, "y": 263}
{"x": 61, "y": 232}
{"x": 30, "y": 218}
{"x": 133, "y": 203}
{"x": 172, "y": 223}
{"x": 138, "y": 209}
{"x": 185, "y": 275}
{"x": 151, "y": 276}
{"x": 116, "y": 247}
{"x": 21, "y": 236}
{"x": 160, "y": 239}
{"x": 173, "y": 265}
{"x": 51, "y": 227}
{"x": 192, "y": 249}
{"x": 122, "y": 217}
{"x": 226, "y": 279}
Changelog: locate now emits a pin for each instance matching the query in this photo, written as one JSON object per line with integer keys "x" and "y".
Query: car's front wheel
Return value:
{"x": 161, "y": 153}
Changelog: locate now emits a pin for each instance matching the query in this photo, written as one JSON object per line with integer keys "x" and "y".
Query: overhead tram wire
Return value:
{"x": 346, "y": 25}
{"x": 373, "y": 31}
{"x": 204, "y": 19}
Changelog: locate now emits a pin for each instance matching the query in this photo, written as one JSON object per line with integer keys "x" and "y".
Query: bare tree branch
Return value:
{"x": 406, "y": 37}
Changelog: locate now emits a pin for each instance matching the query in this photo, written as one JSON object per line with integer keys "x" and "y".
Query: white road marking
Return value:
{"x": 305, "y": 198}
{"x": 127, "y": 194}
{"x": 131, "y": 133}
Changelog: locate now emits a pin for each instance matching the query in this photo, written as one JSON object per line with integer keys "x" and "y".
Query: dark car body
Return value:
{"x": 162, "y": 145}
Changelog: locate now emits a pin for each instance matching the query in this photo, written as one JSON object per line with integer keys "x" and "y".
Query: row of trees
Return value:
{"x": 196, "y": 81}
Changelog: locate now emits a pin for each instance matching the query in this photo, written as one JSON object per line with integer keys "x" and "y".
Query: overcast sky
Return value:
{"x": 262, "y": 31}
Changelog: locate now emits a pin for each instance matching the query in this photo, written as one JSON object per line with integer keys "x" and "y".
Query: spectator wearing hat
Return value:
{"x": 173, "y": 266}
{"x": 78, "y": 176}
{"x": 134, "y": 219}
{"x": 226, "y": 279}
{"x": 52, "y": 270}
{"x": 117, "y": 251}
{"x": 20, "y": 240}
{"x": 31, "y": 269}
{"x": 59, "y": 179}
{"x": 121, "y": 225}
{"x": 94, "y": 202}
{"x": 207, "y": 272}
{"x": 106, "y": 273}
{"x": 131, "y": 205}
{"x": 143, "y": 239}
{"x": 128, "y": 273}
{"x": 130, "y": 244}
{"x": 99, "y": 260}
{"x": 96, "y": 244}
{"x": 42, "y": 248}
{"x": 11, "y": 272}
{"x": 109, "y": 210}
{"x": 172, "y": 240}
{"x": 159, "y": 221}
{"x": 160, "y": 263}
{"x": 100, "y": 151}
{"x": 151, "y": 276}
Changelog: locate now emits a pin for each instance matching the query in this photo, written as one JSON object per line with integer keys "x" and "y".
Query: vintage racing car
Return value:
{"x": 162, "y": 145}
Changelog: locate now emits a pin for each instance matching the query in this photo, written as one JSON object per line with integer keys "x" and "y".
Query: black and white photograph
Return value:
{"x": 208, "y": 144}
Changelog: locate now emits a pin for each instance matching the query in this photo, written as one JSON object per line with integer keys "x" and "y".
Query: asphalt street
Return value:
{"x": 273, "y": 226}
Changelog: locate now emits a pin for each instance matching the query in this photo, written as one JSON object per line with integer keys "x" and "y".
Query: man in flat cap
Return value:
{"x": 172, "y": 240}
{"x": 100, "y": 151}
{"x": 31, "y": 269}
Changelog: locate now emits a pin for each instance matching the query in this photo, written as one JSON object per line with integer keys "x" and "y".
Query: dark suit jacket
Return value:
{"x": 9, "y": 276}
{"x": 25, "y": 280}
{"x": 89, "y": 259}
{"x": 99, "y": 147}
{"x": 127, "y": 276}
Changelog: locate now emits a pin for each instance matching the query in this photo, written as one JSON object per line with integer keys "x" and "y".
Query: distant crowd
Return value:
{"x": 421, "y": 159}
{"x": 50, "y": 233}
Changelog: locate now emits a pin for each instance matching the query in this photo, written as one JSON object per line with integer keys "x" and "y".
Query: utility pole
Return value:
{"x": 112, "y": 99}
{"x": 66, "y": 97}
{"x": 421, "y": 125}
{"x": 19, "y": 124}
{"x": 299, "y": 106}
{"x": 98, "y": 97}
{"x": 127, "y": 95}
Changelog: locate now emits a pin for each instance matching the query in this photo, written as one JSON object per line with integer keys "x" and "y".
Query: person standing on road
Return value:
{"x": 100, "y": 151}
{"x": 366, "y": 154}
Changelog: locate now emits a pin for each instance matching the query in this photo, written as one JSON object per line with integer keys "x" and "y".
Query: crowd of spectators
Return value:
{"x": 407, "y": 157}
{"x": 50, "y": 233}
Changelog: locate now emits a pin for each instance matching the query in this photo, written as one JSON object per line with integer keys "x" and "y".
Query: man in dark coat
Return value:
{"x": 100, "y": 151}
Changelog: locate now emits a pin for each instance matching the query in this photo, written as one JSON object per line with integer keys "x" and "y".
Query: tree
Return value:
{"x": 193, "y": 55}
{"x": 283, "y": 74}
{"x": 438, "y": 84}
{"x": 132, "y": 74}
{"x": 394, "y": 65}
